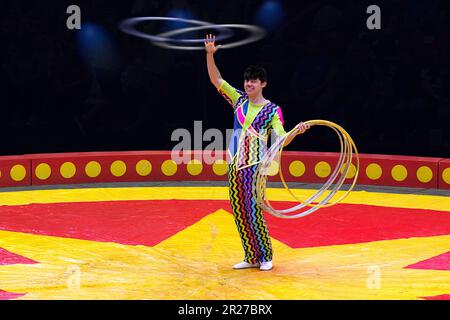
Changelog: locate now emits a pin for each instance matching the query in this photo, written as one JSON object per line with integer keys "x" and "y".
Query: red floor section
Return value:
{"x": 150, "y": 222}
{"x": 8, "y": 295}
{"x": 350, "y": 223}
{"x": 126, "y": 222}
{"x": 440, "y": 262}
{"x": 440, "y": 297}
{"x": 7, "y": 257}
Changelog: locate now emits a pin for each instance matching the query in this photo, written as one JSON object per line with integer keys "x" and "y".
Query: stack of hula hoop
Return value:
{"x": 337, "y": 177}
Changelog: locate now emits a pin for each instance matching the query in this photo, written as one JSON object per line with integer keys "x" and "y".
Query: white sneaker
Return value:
{"x": 245, "y": 265}
{"x": 266, "y": 266}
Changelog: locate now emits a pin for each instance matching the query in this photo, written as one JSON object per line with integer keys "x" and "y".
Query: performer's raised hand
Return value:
{"x": 210, "y": 45}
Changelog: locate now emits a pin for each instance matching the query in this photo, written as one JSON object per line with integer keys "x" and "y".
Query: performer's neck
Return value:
{"x": 259, "y": 99}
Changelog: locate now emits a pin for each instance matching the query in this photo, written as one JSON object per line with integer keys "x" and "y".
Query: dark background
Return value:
{"x": 61, "y": 92}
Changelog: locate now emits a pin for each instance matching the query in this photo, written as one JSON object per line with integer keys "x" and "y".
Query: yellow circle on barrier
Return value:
{"x": 220, "y": 167}
{"x": 118, "y": 168}
{"x": 43, "y": 171}
{"x": 0, "y": 173}
{"x": 374, "y": 171}
{"x": 93, "y": 169}
{"x": 446, "y": 175}
{"x": 399, "y": 173}
{"x": 18, "y": 172}
{"x": 67, "y": 170}
{"x": 169, "y": 168}
{"x": 424, "y": 174}
{"x": 322, "y": 169}
{"x": 194, "y": 167}
{"x": 143, "y": 168}
{"x": 297, "y": 168}
{"x": 351, "y": 171}
{"x": 273, "y": 168}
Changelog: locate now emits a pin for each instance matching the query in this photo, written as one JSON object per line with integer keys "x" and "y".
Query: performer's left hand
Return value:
{"x": 301, "y": 127}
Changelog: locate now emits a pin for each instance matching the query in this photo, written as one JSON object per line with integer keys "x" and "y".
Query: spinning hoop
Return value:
{"x": 162, "y": 39}
{"x": 256, "y": 34}
{"x": 344, "y": 162}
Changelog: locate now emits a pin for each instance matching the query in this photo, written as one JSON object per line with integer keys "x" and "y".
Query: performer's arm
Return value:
{"x": 300, "y": 128}
{"x": 224, "y": 88}
{"x": 213, "y": 71}
{"x": 278, "y": 123}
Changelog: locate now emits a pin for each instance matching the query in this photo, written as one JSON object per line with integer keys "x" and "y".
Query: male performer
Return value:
{"x": 253, "y": 117}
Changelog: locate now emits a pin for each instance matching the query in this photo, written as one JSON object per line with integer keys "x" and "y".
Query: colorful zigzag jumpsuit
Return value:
{"x": 248, "y": 142}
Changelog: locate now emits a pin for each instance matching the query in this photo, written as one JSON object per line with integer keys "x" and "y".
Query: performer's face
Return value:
{"x": 253, "y": 87}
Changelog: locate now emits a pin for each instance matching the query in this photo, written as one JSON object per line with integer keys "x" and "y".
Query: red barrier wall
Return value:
{"x": 15, "y": 171}
{"x": 308, "y": 167}
{"x": 444, "y": 174}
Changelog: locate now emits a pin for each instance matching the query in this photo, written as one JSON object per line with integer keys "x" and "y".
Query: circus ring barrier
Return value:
{"x": 60, "y": 241}
{"x": 306, "y": 167}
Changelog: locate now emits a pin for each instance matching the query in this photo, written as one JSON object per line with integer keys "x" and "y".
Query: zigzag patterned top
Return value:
{"x": 249, "y": 141}
{"x": 253, "y": 140}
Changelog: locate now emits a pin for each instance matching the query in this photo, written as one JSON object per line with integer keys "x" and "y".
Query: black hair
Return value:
{"x": 255, "y": 72}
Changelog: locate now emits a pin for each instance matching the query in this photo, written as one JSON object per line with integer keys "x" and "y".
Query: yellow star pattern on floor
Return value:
{"x": 196, "y": 264}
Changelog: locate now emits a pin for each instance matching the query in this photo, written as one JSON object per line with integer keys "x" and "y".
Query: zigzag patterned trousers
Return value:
{"x": 248, "y": 215}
